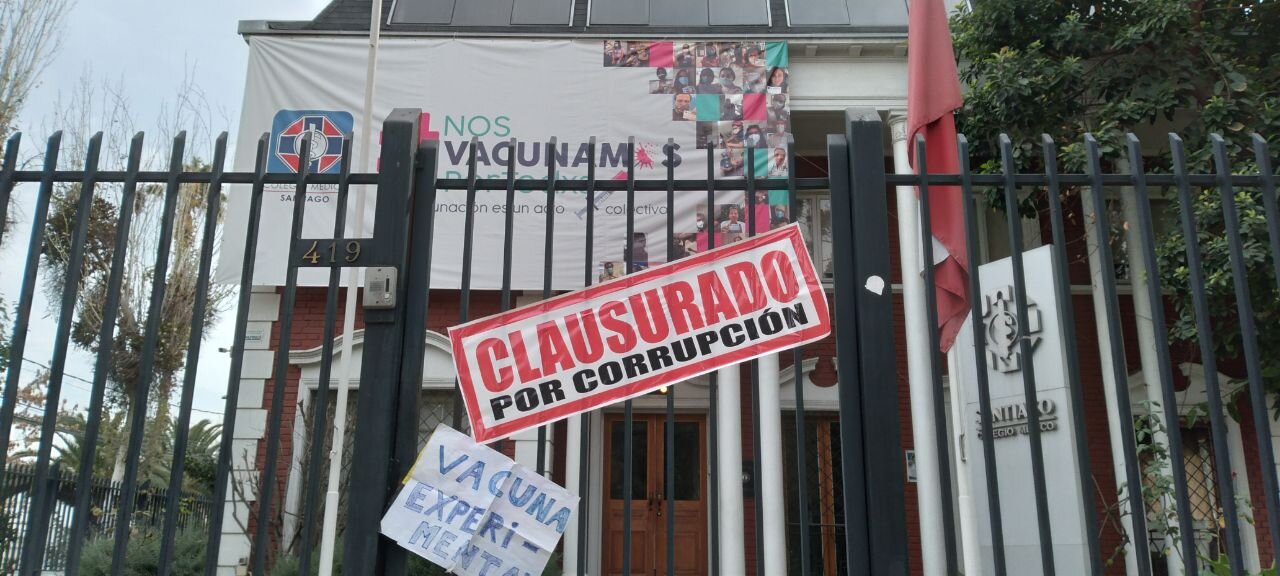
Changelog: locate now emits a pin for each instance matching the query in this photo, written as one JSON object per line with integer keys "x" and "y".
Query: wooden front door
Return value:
{"x": 649, "y": 508}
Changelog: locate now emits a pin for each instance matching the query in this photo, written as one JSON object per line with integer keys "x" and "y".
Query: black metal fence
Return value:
{"x": 104, "y": 499}
{"x": 873, "y": 533}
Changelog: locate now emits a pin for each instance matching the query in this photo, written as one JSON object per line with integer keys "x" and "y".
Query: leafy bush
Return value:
{"x": 143, "y": 555}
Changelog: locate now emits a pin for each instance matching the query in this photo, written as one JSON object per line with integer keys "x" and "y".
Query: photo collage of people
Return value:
{"x": 736, "y": 95}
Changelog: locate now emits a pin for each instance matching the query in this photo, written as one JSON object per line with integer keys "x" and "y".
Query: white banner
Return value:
{"x": 731, "y": 94}
{"x": 473, "y": 511}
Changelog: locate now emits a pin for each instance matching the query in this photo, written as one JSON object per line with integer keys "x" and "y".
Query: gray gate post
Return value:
{"x": 365, "y": 552}
{"x": 872, "y": 460}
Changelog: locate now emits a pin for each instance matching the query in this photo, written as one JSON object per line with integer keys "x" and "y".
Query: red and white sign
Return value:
{"x": 617, "y": 340}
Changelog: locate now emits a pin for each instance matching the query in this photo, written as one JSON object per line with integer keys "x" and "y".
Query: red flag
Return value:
{"x": 933, "y": 92}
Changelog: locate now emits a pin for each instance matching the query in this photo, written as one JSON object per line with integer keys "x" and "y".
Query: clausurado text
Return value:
{"x": 635, "y": 334}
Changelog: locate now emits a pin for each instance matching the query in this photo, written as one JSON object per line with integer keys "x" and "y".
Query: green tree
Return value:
{"x": 1065, "y": 69}
{"x": 98, "y": 105}
{"x": 1108, "y": 67}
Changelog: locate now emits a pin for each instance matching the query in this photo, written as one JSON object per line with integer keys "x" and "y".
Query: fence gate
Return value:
{"x": 118, "y": 297}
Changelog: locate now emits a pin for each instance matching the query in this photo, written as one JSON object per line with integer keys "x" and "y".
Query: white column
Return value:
{"x": 1147, "y": 346}
{"x": 572, "y": 473}
{"x": 919, "y": 362}
{"x": 1240, "y": 481}
{"x": 771, "y": 466}
{"x": 1106, "y": 363}
{"x": 526, "y": 450}
{"x": 970, "y": 539}
{"x": 251, "y": 425}
{"x": 733, "y": 554}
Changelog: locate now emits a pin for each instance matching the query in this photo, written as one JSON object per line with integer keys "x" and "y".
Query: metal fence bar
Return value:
{"x": 6, "y": 178}
{"x": 1249, "y": 337}
{"x": 584, "y": 453}
{"x": 1066, "y": 322}
{"x": 669, "y": 468}
{"x": 627, "y": 441}
{"x": 417, "y": 281}
{"x": 142, "y": 387}
{"x": 548, "y": 254}
{"x": 42, "y": 499}
{"x": 1169, "y": 398}
{"x": 320, "y": 406}
{"x": 102, "y": 365}
{"x": 713, "y": 384}
{"x": 213, "y": 203}
{"x": 508, "y": 240}
{"x": 994, "y": 515}
{"x": 1267, "y": 185}
{"x": 757, "y": 490}
{"x": 1138, "y": 517}
{"x": 1029, "y": 391}
{"x": 468, "y": 249}
{"x": 374, "y": 465}
{"x": 223, "y": 470}
{"x": 267, "y": 484}
{"x": 942, "y": 438}
{"x": 18, "y": 342}
{"x": 1204, "y": 331}
{"x": 857, "y": 552}
{"x": 797, "y": 365}
{"x": 882, "y": 459}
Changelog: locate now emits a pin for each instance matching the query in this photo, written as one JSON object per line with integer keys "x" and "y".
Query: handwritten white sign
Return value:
{"x": 473, "y": 511}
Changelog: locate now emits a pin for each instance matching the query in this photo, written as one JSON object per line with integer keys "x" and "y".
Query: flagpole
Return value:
{"x": 329, "y": 534}
{"x": 919, "y": 363}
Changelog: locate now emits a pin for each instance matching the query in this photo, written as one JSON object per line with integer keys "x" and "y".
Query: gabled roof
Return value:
{"x": 608, "y": 18}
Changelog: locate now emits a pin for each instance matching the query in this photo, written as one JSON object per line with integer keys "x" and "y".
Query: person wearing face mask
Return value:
{"x": 734, "y": 139}
{"x": 707, "y": 82}
{"x": 755, "y": 138}
{"x": 703, "y": 234}
{"x": 684, "y": 81}
{"x": 778, "y": 108}
{"x": 727, "y": 78}
{"x": 712, "y": 57}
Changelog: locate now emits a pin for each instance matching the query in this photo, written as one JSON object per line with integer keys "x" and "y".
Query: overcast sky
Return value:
{"x": 147, "y": 46}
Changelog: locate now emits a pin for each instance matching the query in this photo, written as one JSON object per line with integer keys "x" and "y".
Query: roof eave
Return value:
{"x": 306, "y": 28}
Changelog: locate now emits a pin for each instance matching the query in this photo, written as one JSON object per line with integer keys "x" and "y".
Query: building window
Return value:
{"x": 823, "y": 493}
{"x": 434, "y": 407}
{"x": 815, "y": 224}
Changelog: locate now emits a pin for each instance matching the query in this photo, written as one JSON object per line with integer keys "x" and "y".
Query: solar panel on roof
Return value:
{"x": 542, "y": 12}
{"x": 739, "y": 12}
{"x": 482, "y": 13}
{"x": 818, "y": 12}
{"x": 620, "y": 11}
{"x": 878, "y": 13}
{"x": 678, "y": 13}
{"x": 422, "y": 12}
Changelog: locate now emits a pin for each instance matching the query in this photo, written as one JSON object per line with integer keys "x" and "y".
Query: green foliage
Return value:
{"x": 143, "y": 557}
{"x": 1221, "y": 566}
{"x": 1067, "y": 68}
{"x": 1219, "y": 284}
{"x": 200, "y": 463}
{"x": 1064, "y": 68}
